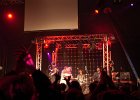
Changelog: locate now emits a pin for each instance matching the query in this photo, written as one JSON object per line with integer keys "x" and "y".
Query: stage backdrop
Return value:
{"x": 78, "y": 58}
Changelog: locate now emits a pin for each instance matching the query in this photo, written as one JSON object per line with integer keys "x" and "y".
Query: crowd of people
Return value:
{"x": 27, "y": 83}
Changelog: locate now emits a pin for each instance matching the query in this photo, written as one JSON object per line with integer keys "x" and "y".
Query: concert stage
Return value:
{"x": 85, "y": 52}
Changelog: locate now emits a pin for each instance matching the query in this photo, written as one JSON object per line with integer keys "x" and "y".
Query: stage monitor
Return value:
{"x": 50, "y": 15}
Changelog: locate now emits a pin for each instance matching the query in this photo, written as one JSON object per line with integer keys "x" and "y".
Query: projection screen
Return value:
{"x": 50, "y": 15}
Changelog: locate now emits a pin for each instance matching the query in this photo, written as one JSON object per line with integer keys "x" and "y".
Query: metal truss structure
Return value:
{"x": 99, "y": 41}
{"x": 38, "y": 55}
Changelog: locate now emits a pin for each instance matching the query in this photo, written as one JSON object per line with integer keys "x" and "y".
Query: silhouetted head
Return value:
{"x": 24, "y": 62}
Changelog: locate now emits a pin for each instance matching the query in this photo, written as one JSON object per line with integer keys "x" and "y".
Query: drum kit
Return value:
{"x": 84, "y": 83}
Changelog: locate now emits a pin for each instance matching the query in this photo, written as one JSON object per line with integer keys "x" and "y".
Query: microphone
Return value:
{"x": 85, "y": 67}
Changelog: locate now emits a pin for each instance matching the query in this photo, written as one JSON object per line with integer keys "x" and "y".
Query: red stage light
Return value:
{"x": 10, "y": 15}
{"x": 96, "y": 11}
{"x": 46, "y": 46}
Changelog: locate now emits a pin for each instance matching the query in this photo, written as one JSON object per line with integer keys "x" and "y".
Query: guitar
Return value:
{"x": 54, "y": 71}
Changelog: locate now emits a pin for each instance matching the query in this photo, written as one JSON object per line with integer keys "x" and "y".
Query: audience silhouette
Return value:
{"x": 24, "y": 82}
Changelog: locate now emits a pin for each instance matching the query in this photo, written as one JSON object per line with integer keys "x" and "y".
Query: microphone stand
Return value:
{"x": 86, "y": 80}
{"x": 86, "y": 74}
{"x": 86, "y": 70}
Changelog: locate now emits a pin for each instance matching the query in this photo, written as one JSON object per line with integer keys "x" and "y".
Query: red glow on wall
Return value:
{"x": 109, "y": 42}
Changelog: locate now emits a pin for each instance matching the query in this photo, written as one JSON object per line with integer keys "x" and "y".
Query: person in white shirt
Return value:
{"x": 65, "y": 73}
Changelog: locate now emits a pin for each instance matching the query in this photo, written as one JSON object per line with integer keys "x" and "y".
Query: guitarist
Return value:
{"x": 53, "y": 71}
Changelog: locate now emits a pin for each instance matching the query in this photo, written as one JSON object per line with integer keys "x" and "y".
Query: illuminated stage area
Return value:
{"x": 86, "y": 52}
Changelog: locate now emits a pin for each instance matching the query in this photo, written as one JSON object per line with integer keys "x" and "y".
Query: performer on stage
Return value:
{"x": 53, "y": 71}
{"x": 96, "y": 75}
{"x": 81, "y": 77}
{"x": 66, "y": 73}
